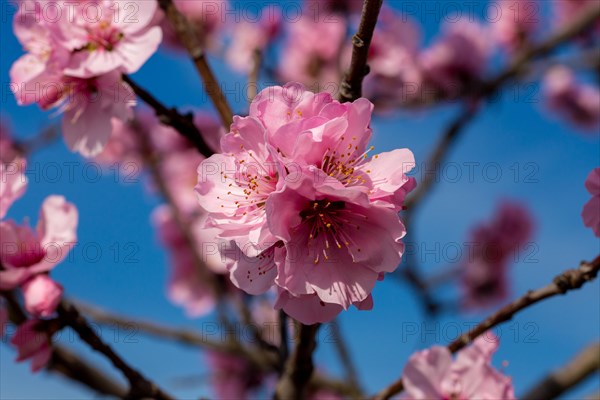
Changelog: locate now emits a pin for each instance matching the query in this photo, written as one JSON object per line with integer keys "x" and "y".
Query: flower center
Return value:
{"x": 340, "y": 162}
{"x": 104, "y": 36}
{"x": 329, "y": 226}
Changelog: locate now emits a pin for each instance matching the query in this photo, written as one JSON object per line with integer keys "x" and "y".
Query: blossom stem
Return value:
{"x": 140, "y": 387}
{"x": 558, "y": 382}
{"x": 188, "y": 36}
{"x": 184, "y": 124}
{"x": 569, "y": 280}
{"x": 299, "y": 366}
{"x": 351, "y": 86}
{"x": 254, "y": 74}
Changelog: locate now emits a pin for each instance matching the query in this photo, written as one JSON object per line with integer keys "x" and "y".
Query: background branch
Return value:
{"x": 184, "y": 124}
{"x": 578, "y": 369}
{"x": 188, "y": 36}
{"x": 569, "y": 280}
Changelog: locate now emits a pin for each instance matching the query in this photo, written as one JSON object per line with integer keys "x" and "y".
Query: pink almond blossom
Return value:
{"x": 26, "y": 253}
{"x": 591, "y": 210}
{"x": 432, "y": 374}
{"x": 108, "y": 35}
{"x": 577, "y": 102}
{"x": 515, "y": 23}
{"x": 32, "y": 343}
{"x": 485, "y": 272}
{"x": 296, "y": 192}
{"x": 42, "y": 295}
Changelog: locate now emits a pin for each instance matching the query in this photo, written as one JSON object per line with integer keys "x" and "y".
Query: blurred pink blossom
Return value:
{"x": 42, "y": 295}
{"x": 484, "y": 273}
{"x": 577, "y": 102}
{"x": 591, "y": 210}
{"x": 458, "y": 58}
{"x": 232, "y": 377}
{"x": 432, "y": 374}
{"x": 32, "y": 343}
{"x": 13, "y": 184}
{"x": 516, "y": 22}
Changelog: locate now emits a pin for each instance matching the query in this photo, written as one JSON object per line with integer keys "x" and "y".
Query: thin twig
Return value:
{"x": 569, "y": 280}
{"x": 299, "y": 366}
{"x": 187, "y": 35}
{"x": 351, "y": 86}
{"x": 183, "y": 336}
{"x": 65, "y": 362}
{"x": 344, "y": 355}
{"x": 558, "y": 382}
{"x": 184, "y": 124}
{"x": 284, "y": 351}
{"x": 140, "y": 386}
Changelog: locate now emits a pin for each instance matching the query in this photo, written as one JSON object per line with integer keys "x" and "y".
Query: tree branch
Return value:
{"x": 351, "y": 86}
{"x": 578, "y": 369}
{"x": 187, "y": 35}
{"x": 299, "y": 366}
{"x": 184, "y": 124}
{"x": 140, "y": 387}
{"x": 569, "y": 280}
{"x": 344, "y": 355}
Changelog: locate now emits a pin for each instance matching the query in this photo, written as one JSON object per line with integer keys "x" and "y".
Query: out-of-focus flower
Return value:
{"x": 8, "y": 150}
{"x": 25, "y": 253}
{"x": 484, "y": 273}
{"x": 458, "y": 58}
{"x": 3, "y": 317}
{"x": 32, "y": 343}
{"x": 250, "y": 36}
{"x": 579, "y": 103}
{"x": 432, "y": 374}
{"x": 566, "y": 11}
{"x": 394, "y": 74}
{"x": 207, "y": 16}
{"x": 186, "y": 285}
{"x": 309, "y": 59}
{"x": 232, "y": 377}
{"x": 42, "y": 295}
{"x": 516, "y": 22}
{"x": 591, "y": 210}
{"x": 297, "y": 193}
{"x": 13, "y": 184}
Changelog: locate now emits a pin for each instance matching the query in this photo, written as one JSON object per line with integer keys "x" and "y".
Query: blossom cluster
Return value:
{"x": 303, "y": 206}
{"x": 27, "y": 256}
{"x": 75, "y": 63}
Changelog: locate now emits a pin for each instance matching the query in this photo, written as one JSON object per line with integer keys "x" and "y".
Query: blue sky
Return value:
{"x": 552, "y": 160}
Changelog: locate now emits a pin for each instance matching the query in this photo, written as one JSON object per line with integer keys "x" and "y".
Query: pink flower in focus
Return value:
{"x": 577, "y": 102}
{"x": 297, "y": 193}
{"x": 431, "y": 374}
{"x": 232, "y": 376}
{"x": 13, "y": 184}
{"x": 32, "y": 343}
{"x": 591, "y": 210}
{"x": 309, "y": 59}
{"x": 42, "y": 295}
{"x": 458, "y": 58}
{"x": 484, "y": 273}
{"x": 249, "y": 36}
{"x": 111, "y": 35}
{"x": 515, "y": 23}
{"x": 25, "y": 253}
